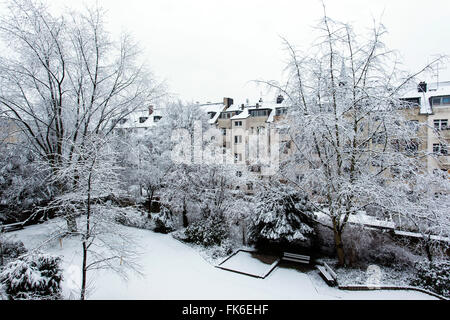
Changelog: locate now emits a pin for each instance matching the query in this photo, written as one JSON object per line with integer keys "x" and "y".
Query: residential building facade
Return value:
{"x": 431, "y": 107}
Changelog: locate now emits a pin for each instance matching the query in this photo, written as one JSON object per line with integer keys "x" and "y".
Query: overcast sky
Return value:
{"x": 208, "y": 49}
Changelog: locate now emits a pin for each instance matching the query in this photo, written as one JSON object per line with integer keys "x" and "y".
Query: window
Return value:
{"x": 156, "y": 118}
{"x": 237, "y": 157}
{"x": 260, "y": 130}
{"x": 142, "y": 119}
{"x": 440, "y": 124}
{"x": 411, "y": 101}
{"x": 238, "y": 173}
{"x": 395, "y": 145}
{"x": 211, "y": 114}
{"x": 440, "y": 149}
{"x": 224, "y": 131}
{"x": 280, "y": 111}
{"x": 287, "y": 146}
{"x": 376, "y": 161}
{"x": 414, "y": 125}
{"x": 237, "y": 139}
{"x": 259, "y": 113}
{"x": 440, "y": 101}
{"x": 441, "y": 172}
{"x": 412, "y": 147}
{"x": 238, "y": 123}
{"x": 226, "y": 115}
{"x": 249, "y": 186}
{"x": 379, "y": 138}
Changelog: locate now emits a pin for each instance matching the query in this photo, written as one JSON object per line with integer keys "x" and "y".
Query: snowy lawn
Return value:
{"x": 173, "y": 270}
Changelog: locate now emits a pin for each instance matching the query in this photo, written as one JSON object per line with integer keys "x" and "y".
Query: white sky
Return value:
{"x": 209, "y": 49}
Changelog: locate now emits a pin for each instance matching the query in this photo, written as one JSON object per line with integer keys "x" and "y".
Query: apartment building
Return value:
{"x": 432, "y": 107}
{"x": 247, "y": 132}
{"x": 9, "y": 131}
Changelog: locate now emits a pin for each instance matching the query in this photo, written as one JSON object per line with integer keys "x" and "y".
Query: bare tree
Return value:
{"x": 353, "y": 147}
{"x": 64, "y": 78}
{"x": 105, "y": 245}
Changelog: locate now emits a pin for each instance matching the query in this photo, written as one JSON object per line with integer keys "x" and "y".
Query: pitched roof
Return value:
{"x": 434, "y": 90}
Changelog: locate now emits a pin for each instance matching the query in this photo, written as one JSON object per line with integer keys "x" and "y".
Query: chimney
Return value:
{"x": 422, "y": 87}
{"x": 280, "y": 99}
{"x": 227, "y": 102}
{"x": 150, "y": 110}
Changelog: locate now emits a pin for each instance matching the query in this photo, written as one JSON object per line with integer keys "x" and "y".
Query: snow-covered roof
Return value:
{"x": 433, "y": 90}
{"x": 133, "y": 119}
{"x": 272, "y": 106}
{"x": 242, "y": 109}
{"x": 234, "y": 107}
{"x": 243, "y": 115}
{"x": 217, "y": 108}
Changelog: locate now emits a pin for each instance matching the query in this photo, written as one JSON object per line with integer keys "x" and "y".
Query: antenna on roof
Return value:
{"x": 437, "y": 75}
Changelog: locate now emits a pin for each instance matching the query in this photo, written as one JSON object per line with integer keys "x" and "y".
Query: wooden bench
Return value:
{"x": 295, "y": 257}
{"x": 11, "y": 227}
{"x": 328, "y": 274}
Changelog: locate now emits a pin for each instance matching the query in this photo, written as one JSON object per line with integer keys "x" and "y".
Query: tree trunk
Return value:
{"x": 428, "y": 249}
{"x": 83, "y": 279}
{"x": 71, "y": 223}
{"x": 150, "y": 200}
{"x": 243, "y": 233}
{"x": 339, "y": 247}
{"x": 1, "y": 254}
{"x": 86, "y": 237}
{"x": 185, "y": 219}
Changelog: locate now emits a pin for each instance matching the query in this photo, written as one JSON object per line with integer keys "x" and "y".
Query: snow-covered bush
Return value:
{"x": 210, "y": 231}
{"x": 365, "y": 247}
{"x": 433, "y": 276}
{"x": 3, "y": 295}
{"x": 226, "y": 248}
{"x": 133, "y": 218}
{"x": 164, "y": 222}
{"x": 281, "y": 216}
{"x": 21, "y": 184}
{"x": 33, "y": 277}
{"x": 10, "y": 249}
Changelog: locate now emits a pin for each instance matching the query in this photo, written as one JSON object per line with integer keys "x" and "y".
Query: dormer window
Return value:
{"x": 142, "y": 119}
{"x": 156, "y": 118}
{"x": 280, "y": 111}
{"x": 440, "y": 101}
{"x": 414, "y": 102}
{"x": 211, "y": 114}
{"x": 259, "y": 113}
{"x": 225, "y": 115}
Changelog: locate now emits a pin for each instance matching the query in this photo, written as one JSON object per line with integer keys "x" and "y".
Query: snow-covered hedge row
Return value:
{"x": 33, "y": 277}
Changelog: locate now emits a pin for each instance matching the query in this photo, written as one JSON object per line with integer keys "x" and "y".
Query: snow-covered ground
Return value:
{"x": 173, "y": 270}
